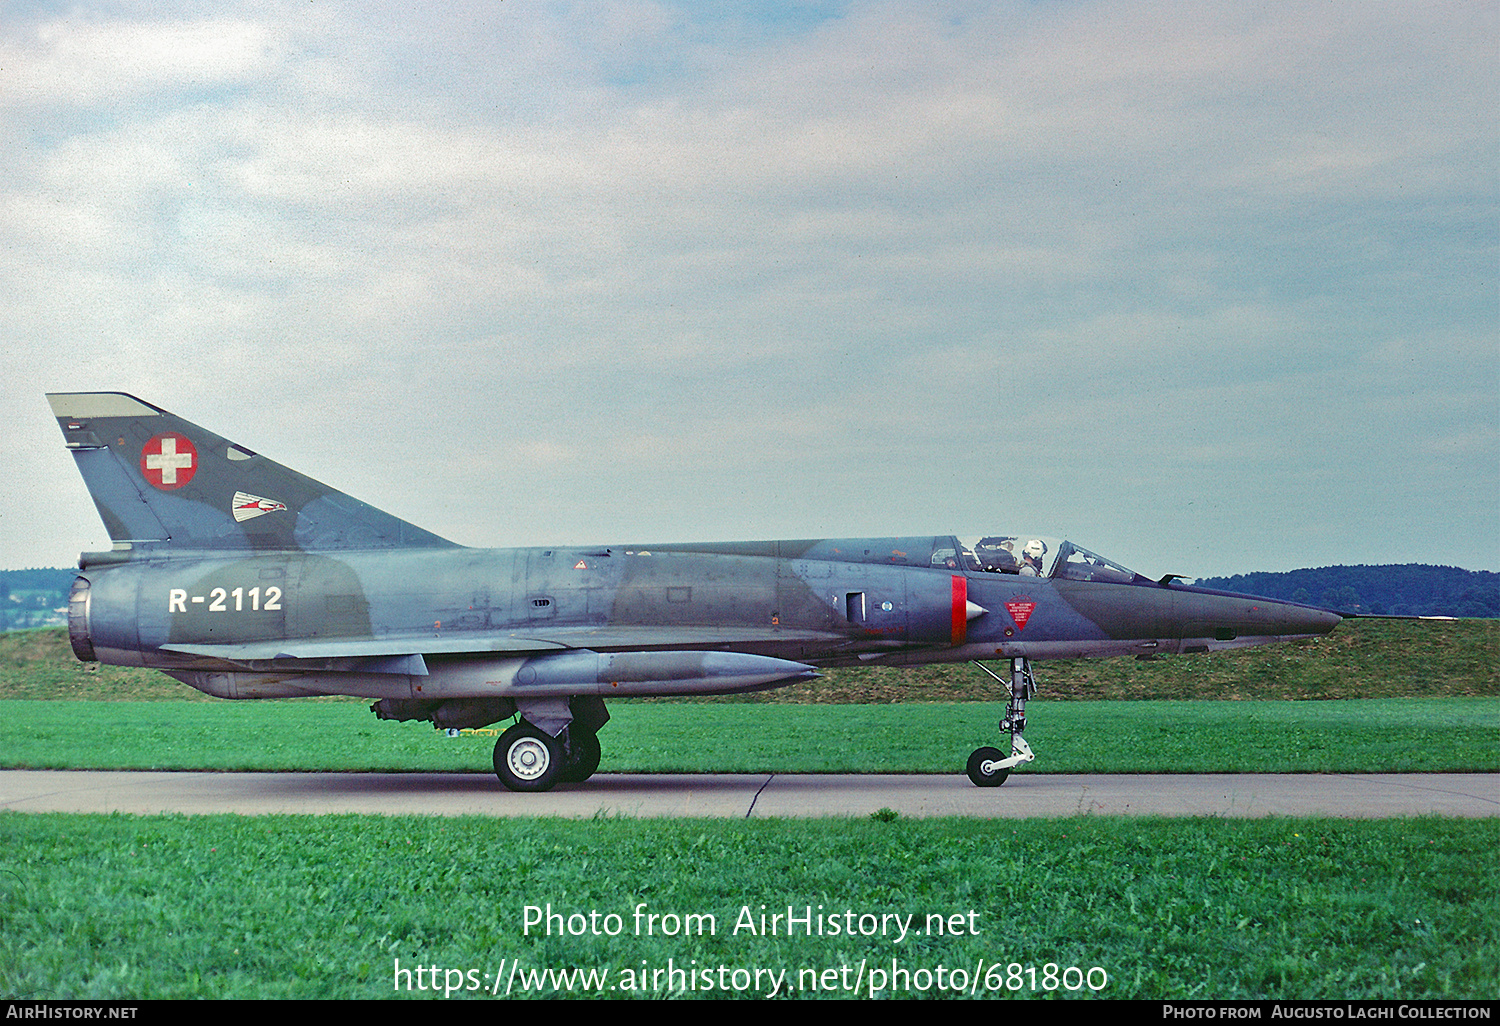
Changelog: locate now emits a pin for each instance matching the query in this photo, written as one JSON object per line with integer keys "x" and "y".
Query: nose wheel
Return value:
{"x": 989, "y": 767}
{"x": 984, "y": 767}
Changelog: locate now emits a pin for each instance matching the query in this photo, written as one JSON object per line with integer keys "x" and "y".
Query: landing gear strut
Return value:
{"x": 988, "y": 767}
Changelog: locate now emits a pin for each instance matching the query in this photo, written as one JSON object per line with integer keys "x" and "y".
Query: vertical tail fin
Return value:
{"x": 160, "y": 482}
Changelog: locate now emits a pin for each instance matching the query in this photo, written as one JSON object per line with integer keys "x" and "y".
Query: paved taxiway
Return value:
{"x": 757, "y": 795}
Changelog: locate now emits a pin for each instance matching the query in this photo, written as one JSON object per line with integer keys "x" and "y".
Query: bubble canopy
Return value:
{"x": 1031, "y": 555}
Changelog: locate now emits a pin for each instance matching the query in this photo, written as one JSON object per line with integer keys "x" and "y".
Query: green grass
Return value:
{"x": 304, "y": 907}
{"x": 1360, "y": 659}
{"x": 1376, "y": 735}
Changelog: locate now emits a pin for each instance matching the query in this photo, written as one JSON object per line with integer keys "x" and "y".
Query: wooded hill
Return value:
{"x": 1409, "y": 589}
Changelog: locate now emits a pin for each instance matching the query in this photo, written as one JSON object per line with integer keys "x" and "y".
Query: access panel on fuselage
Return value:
{"x": 667, "y": 588}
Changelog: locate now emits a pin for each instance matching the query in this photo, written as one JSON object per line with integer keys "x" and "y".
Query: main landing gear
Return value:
{"x": 988, "y": 767}
{"x": 528, "y": 758}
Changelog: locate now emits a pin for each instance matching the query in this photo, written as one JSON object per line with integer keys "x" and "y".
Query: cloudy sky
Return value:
{"x": 1206, "y": 287}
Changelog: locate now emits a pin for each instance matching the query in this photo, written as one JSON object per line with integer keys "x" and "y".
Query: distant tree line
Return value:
{"x": 1409, "y": 589}
{"x": 31, "y": 598}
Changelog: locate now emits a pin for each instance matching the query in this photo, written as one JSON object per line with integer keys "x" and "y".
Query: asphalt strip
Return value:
{"x": 757, "y": 795}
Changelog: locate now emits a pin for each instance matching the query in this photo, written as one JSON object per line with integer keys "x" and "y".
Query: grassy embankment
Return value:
{"x": 1429, "y": 702}
{"x": 1360, "y": 659}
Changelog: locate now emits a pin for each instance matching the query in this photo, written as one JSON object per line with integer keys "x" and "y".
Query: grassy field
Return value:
{"x": 1367, "y": 736}
{"x": 305, "y": 907}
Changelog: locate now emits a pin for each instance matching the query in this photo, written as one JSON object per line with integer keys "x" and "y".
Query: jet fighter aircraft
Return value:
{"x": 245, "y": 579}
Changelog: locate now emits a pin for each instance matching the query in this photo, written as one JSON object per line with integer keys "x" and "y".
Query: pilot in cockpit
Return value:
{"x": 1031, "y": 557}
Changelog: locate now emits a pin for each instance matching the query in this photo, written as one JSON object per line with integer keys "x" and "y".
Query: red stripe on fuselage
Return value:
{"x": 960, "y": 610}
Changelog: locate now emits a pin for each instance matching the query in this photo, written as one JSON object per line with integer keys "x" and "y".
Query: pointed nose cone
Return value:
{"x": 1318, "y": 621}
{"x": 1229, "y": 620}
{"x": 1289, "y": 620}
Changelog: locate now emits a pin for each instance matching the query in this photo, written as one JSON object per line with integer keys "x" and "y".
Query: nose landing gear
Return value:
{"x": 988, "y": 767}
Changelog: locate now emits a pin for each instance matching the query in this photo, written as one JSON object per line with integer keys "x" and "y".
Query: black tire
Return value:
{"x": 976, "y": 768}
{"x": 581, "y": 758}
{"x": 527, "y": 758}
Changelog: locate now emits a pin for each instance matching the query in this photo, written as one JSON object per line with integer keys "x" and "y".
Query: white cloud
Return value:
{"x": 77, "y": 61}
{"x": 893, "y": 251}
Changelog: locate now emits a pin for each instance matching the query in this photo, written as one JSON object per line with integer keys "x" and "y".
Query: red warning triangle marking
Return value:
{"x": 1020, "y": 611}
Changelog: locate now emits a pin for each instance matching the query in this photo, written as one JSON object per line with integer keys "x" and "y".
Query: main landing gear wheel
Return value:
{"x": 581, "y": 757}
{"x": 527, "y": 758}
{"x": 983, "y": 769}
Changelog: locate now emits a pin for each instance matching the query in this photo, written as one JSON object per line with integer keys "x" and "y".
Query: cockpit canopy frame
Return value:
{"x": 1031, "y": 555}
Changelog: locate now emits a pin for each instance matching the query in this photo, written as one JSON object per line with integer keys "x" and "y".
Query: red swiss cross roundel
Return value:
{"x": 169, "y": 461}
